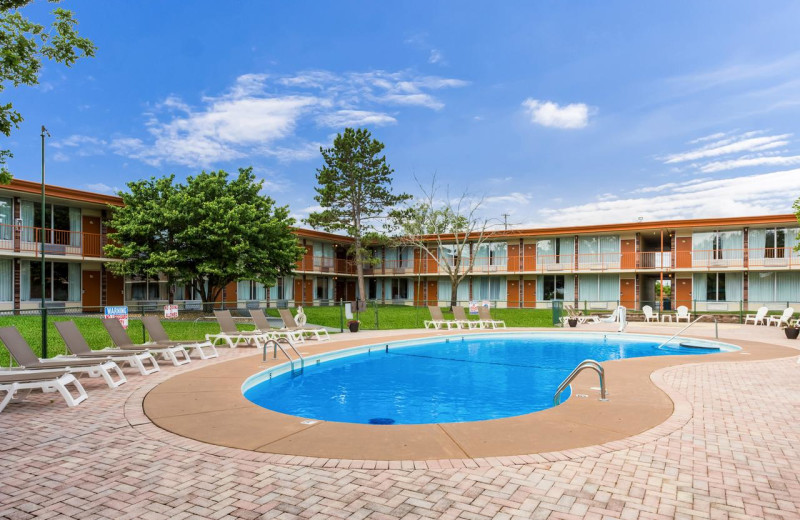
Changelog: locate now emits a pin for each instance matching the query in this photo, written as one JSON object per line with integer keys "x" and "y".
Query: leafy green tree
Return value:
{"x": 208, "y": 232}
{"x": 354, "y": 191}
{"x": 23, "y": 45}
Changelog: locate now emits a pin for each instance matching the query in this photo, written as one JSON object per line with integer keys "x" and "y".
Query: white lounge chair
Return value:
{"x": 119, "y": 336}
{"x": 319, "y": 333}
{"x": 682, "y": 313}
{"x": 463, "y": 321}
{"x": 230, "y": 334}
{"x": 27, "y": 360}
{"x": 649, "y": 315}
{"x": 437, "y": 320}
{"x": 76, "y": 344}
{"x": 160, "y": 337}
{"x": 486, "y": 318}
{"x": 18, "y": 385}
{"x": 262, "y": 326}
{"x": 783, "y": 319}
{"x": 759, "y": 318}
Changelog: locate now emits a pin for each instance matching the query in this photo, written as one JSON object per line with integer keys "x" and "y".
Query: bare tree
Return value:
{"x": 447, "y": 231}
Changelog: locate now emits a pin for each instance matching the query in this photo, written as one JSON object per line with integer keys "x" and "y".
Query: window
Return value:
{"x": 62, "y": 281}
{"x": 775, "y": 243}
{"x": 553, "y": 287}
{"x": 715, "y": 287}
{"x": 497, "y": 253}
{"x": 144, "y": 290}
{"x": 399, "y": 288}
{"x": 322, "y": 288}
{"x": 62, "y": 223}
{"x": 6, "y": 219}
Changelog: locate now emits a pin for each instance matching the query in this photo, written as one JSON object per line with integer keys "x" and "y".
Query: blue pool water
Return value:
{"x": 454, "y": 380}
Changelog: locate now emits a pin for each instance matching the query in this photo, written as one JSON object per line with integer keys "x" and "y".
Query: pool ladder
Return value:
{"x": 276, "y": 344}
{"x": 588, "y": 363}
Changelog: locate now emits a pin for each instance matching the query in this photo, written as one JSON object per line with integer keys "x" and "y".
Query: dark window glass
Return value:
{"x": 280, "y": 288}
{"x": 400, "y": 289}
{"x": 553, "y": 288}
{"x": 322, "y": 288}
{"x": 372, "y": 289}
{"x": 36, "y": 281}
{"x": 711, "y": 287}
{"x": 138, "y": 290}
{"x": 152, "y": 291}
{"x": 60, "y": 282}
{"x": 721, "y": 287}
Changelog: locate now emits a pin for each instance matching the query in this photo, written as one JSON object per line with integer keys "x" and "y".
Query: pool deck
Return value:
{"x": 727, "y": 448}
{"x": 207, "y": 405}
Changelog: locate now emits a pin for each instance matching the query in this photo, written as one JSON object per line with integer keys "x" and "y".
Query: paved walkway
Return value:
{"x": 735, "y": 455}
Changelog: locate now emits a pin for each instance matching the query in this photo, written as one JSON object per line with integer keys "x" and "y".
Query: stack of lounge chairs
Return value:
{"x": 484, "y": 321}
{"x": 60, "y": 374}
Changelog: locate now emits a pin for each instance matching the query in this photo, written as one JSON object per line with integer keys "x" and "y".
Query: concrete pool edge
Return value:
{"x": 204, "y": 409}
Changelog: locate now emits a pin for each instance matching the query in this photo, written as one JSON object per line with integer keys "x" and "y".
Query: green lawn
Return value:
{"x": 388, "y": 317}
{"x": 92, "y": 329}
{"x": 405, "y": 317}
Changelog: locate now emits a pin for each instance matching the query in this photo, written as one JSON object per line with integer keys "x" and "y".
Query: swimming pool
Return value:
{"x": 445, "y": 379}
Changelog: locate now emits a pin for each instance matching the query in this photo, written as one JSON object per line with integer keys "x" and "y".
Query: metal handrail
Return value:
{"x": 276, "y": 343}
{"x": 687, "y": 326}
{"x": 588, "y": 363}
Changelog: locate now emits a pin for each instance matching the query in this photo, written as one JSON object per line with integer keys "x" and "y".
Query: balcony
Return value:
{"x": 56, "y": 241}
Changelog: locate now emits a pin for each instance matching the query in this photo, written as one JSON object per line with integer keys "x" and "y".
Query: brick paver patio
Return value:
{"x": 732, "y": 450}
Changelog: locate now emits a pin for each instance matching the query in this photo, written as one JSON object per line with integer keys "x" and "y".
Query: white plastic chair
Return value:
{"x": 759, "y": 318}
{"x": 783, "y": 319}
{"x": 649, "y": 314}
{"x": 682, "y": 314}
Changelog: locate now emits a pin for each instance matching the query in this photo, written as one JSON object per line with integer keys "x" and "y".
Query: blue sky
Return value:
{"x": 557, "y": 113}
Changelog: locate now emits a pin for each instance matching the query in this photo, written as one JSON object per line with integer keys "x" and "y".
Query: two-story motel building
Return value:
{"x": 715, "y": 264}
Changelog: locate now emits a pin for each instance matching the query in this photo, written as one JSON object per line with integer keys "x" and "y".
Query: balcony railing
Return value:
{"x": 56, "y": 241}
{"x": 586, "y": 262}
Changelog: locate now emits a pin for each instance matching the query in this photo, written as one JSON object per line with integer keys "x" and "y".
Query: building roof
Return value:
{"x": 59, "y": 192}
{"x": 667, "y": 225}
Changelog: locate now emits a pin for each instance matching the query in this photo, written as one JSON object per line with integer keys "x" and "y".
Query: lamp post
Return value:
{"x": 45, "y": 133}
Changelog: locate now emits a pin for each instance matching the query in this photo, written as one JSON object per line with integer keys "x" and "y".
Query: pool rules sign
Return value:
{"x": 170, "y": 311}
{"x": 119, "y": 312}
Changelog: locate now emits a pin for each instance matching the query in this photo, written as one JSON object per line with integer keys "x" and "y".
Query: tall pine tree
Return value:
{"x": 354, "y": 191}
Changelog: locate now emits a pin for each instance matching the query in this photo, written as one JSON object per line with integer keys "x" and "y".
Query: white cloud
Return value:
{"x": 762, "y": 194}
{"x": 747, "y": 142}
{"x": 344, "y": 118}
{"x": 78, "y": 145}
{"x": 743, "y": 162}
{"x": 551, "y": 114}
{"x": 301, "y": 152}
{"x": 435, "y": 56}
{"x": 255, "y": 118}
{"x": 511, "y": 198}
{"x": 100, "y": 187}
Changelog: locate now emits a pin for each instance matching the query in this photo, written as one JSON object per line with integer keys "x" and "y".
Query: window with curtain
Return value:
{"x": 27, "y": 214}
{"x": 498, "y": 253}
{"x": 6, "y": 218}
{"x": 716, "y": 246}
{"x": 555, "y": 251}
{"x": 718, "y": 287}
{"x": 400, "y": 289}
{"x": 550, "y": 287}
{"x": 6, "y": 280}
{"x": 75, "y": 227}
{"x": 74, "y": 282}
{"x": 62, "y": 281}
{"x": 482, "y": 255}
{"x": 598, "y": 288}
